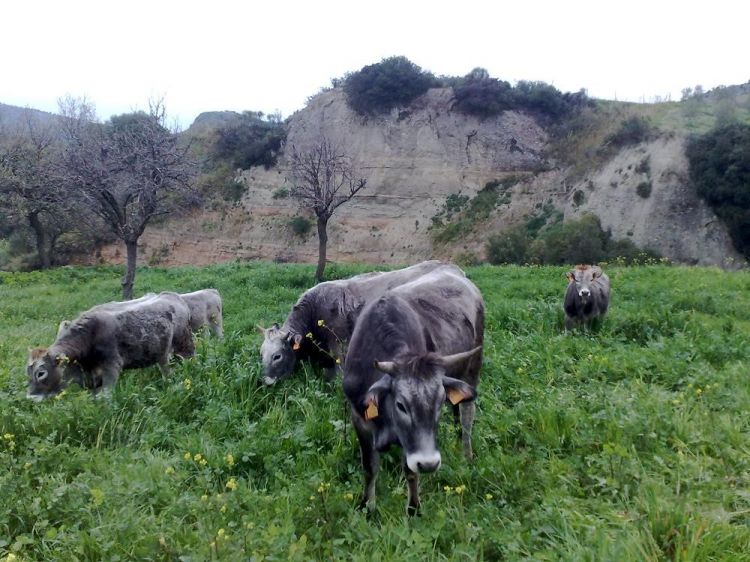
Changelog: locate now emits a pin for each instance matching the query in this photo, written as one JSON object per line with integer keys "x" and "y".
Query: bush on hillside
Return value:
{"x": 251, "y": 141}
{"x": 719, "y": 165}
{"x": 633, "y": 130}
{"x": 578, "y": 241}
{"x": 393, "y": 82}
{"x": 546, "y": 100}
{"x": 480, "y": 95}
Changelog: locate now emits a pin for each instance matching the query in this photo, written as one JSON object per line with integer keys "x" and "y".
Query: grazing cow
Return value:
{"x": 328, "y": 313}
{"x": 65, "y": 324}
{"x": 414, "y": 346}
{"x": 205, "y": 310}
{"x": 94, "y": 348}
{"x": 587, "y": 295}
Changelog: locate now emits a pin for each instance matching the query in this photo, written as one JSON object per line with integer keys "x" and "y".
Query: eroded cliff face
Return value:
{"x": 413, "y": 159}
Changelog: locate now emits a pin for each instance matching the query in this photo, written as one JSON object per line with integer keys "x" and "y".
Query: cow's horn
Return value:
{"x": 386, "y": 366}
{"x": 261, "y": 329}
{"x": 458, "y": 358}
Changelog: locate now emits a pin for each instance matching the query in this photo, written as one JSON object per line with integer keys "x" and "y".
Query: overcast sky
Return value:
{"x": 273, "y": 55}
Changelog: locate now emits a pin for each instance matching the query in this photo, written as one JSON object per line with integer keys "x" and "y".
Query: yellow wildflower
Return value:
{"x": 203, "y": 462}
{"x": 169, "y": 470}
{"x": 221, "y": 533}
{"x": 60, "y": 395}
{"x": 188, "y": 456}
{"x": 197, "y": 457}
{"x": 232, "y": 484}
{"x": 321, "y": 322}
{"x": 312, "y": 498}
{"x": 223, "y": 508}
{"x": 187, "y": 383}
{"x": 27, "y": 466}
{"x": 230, "y": 459}
{"x": 308, "y": 335}
{"x": 250, "y": 525}
{"x": 8, "y": 436}
{"x": 488, "y": 497}
{"x": 204, "y": 498}
{"x": 447, "y": 489}
{"x": 338, "y": 360}
{"x": 460, "y": 489}
{"x": 698, "y": 391}
{"x": 348, "y": 496}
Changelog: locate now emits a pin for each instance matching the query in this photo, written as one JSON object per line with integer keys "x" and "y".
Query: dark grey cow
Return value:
{"x": 205, "y": 311}
{"x": 101, "y": 342}
{"x": 587, "y": 295}
{"x": 118, "y": 305}
{"x": 416, "y": 345}
{"x": 328, "y": 313}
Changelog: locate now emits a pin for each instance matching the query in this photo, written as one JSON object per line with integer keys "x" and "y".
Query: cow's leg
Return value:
{"x": 336, "y": 352}
{"x": 468, "y": 410}
{"x": 568, "y": 323}
{"x": 370, "y": 461}
{"x": 109, "y": 375}
{"x": 217, "y": 326}
{"x": 412, "y": 486}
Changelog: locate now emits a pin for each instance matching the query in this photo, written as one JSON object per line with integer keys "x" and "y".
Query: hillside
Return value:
{"x": 414, "y": 158}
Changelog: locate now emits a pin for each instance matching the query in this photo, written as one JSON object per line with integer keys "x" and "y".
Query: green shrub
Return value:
{"x": 480, "y": 95}
{"x": 393, "y": 82}
{"x": 546, "y": 100}
{"x": 300, "y": 225}
{"x": 577, "y": 241}
{"x": 644, "y": 189}
{"x": 719, "y": 165}
{"x": 281, "y": 193}
{"x": 250, "y": 141}
{"x": 509, "y": 246}
{"x": 633, "y": 130}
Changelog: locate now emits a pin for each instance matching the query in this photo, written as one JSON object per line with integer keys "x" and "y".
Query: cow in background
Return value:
{"x": 413, "y": 348}
{"x": 205, "y": 311}
{"x": 95, "y": 347}
{"x": 587, "y": 295}
{"x": 328, "y": 313}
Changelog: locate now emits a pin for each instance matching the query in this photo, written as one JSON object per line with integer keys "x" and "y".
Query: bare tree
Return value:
{"x": 129, "y": 171}
{"x": 323, "y": 178}
{"x": 31, "y": 189}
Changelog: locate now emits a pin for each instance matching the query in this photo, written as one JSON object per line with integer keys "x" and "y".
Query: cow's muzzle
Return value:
{"x": 423, "y": 462}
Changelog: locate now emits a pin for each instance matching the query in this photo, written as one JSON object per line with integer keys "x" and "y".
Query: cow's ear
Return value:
{"x": 570, "y": 276}
{"x": 374, "y": 395}
{"x": 261, "y": 329}
{"x": 458, "y": 391}
{"x": 295, "y": 340}
{"x": 36, "y": 352}
{"x": 595, "y": 273}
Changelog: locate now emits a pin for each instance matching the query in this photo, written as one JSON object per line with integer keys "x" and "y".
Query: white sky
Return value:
{"x": 272, "y": 55}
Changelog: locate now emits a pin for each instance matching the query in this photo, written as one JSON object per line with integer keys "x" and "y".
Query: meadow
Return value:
{"x": 627, "y": 442}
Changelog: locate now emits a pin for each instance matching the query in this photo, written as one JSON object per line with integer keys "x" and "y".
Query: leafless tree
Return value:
{"x": 31, "y": 189}
{"x": 323, "y": 178}
{"x": 129, "y": 171}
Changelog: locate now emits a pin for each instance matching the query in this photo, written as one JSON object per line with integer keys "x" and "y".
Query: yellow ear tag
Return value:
{"x": 296, "y": 346}
{"x": 371, "y": 412}
{"x": 455, "y": 396}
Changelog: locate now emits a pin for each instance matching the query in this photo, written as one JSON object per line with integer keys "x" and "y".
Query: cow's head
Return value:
{"x": 44, "y": 372}
{"x": 583, "y": 276}
{"x": 278, "y": 353}
{"x": 408, "y": 400}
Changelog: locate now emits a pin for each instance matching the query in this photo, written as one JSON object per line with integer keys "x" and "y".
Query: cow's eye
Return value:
{"x": 401, "y": 407}
{"x": 277, "y": 357}
{"x": 41, "y": 375}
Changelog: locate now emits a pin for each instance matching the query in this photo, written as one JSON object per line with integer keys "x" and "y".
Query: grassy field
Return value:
{"x": 631, "y": 442}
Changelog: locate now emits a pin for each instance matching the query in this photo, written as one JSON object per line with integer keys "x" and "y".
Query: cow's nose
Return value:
{"x": 423, "y": 462}
{"x": 585, "y": 293}
{"x": 428, "y": 466}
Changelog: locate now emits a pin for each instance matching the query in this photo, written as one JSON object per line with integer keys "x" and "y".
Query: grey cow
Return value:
{"x": 205, "y": 311}
{"x": 587, "y": 295}
{"x": 94, "y": 348}
{"x": 416, "y": 345}
{"x": 328, "y": 312}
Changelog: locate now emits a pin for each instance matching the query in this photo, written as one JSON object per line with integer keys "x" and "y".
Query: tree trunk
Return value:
{"x": 129, "y": 278}
{"x": 322, "y": 246}
{"x": 42, "y": 240}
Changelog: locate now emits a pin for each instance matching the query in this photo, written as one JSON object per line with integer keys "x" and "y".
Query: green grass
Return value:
{"x": 630, "y": 442}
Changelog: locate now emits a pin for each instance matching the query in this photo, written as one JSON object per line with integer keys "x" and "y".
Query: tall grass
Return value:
{"x": 629, "y": 442}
